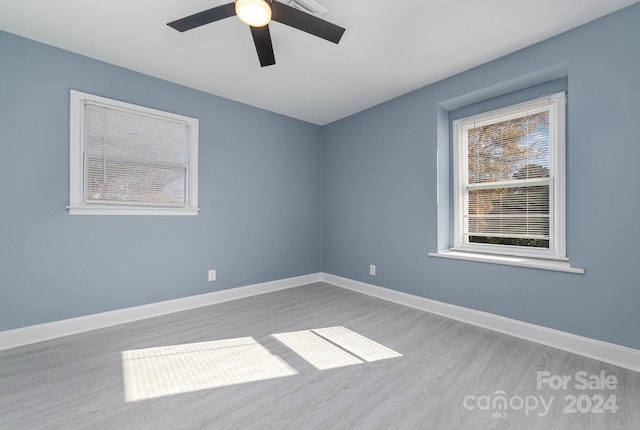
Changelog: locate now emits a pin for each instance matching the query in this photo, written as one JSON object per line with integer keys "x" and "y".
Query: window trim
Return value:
{"x": 556, "y": 105}
{"x": 77, "y": 204}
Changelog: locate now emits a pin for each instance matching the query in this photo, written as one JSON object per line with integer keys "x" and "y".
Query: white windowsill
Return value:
{"x": 535, "y": 263}
{"x": 127, "y": 210}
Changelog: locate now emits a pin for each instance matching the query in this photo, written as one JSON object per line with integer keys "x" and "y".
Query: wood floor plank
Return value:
{"x": 77, "y": 382}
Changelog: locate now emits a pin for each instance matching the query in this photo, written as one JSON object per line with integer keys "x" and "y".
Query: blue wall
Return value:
{"x": 380, "y": 185}
{"x": 301, "y": 199}
{"x": 260, "y": 196}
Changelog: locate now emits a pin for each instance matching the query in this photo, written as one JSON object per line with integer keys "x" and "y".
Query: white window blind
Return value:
{"x": 128, "y": 159}
{"x": 134, "y": 158}
{"x": 509, "y": 174}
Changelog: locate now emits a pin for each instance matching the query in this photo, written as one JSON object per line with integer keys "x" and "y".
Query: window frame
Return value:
{"x": 78, "y": 205}
{"x": 555, "y": 104}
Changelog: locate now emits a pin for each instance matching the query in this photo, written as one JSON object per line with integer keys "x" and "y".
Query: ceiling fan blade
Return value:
{"x": 264, "y": 48}
{"x": 204, "y": 17}
{"x": 295, "y": 18}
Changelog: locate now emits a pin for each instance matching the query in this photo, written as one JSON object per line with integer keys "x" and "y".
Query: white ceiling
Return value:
{"x": 389, "y": 47}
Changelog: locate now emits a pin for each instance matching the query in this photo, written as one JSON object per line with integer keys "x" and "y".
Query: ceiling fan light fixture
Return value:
{"x": 256, "y": 13}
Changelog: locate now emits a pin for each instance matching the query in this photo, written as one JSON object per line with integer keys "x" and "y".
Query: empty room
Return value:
{"x": 319, "y": 214}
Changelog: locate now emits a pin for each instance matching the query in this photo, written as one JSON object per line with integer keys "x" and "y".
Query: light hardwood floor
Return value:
{"x": 77, "y": 382}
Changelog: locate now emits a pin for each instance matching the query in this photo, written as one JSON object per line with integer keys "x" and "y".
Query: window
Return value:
{"x": 509, "y": 180}
{"x": 131, "y": 160}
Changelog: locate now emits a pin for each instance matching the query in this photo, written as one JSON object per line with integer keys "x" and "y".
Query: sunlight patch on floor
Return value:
{"x": 357, "y": 344}
{"x": 317, "y": 351}
{"x": 332, "y": 347}
{"x": 167, "y": 370}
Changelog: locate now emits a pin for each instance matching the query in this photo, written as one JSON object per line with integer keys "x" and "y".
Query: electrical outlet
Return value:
{"x": 212, "y": 275}
{"x": 372, "y": 269}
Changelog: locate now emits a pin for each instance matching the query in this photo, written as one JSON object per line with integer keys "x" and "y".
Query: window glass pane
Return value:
{"x": 510, "y": 152}
{"x": 132, "y": 183}
{"x": 516, "y": 216}
{"x": 135, "y": 158}
{"x": 514, "y": 149}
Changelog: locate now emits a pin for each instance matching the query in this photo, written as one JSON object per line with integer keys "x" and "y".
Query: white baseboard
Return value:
{"x": 40, "y": 332}
{"x": 628, "y": 358}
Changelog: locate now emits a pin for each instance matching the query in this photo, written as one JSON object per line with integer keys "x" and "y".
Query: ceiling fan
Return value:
{"x": 257, "y": 14}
